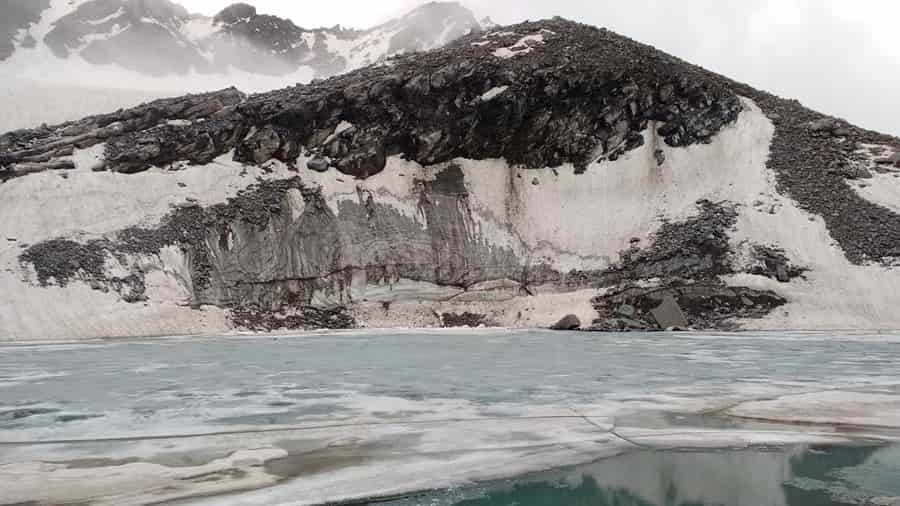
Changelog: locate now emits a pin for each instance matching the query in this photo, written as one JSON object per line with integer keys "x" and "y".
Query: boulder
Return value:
{"x": 669, "y": 314}
{"x": 260, "y": 146}
{"x": 317, "y": 164}
{"x": 568, "y": 322}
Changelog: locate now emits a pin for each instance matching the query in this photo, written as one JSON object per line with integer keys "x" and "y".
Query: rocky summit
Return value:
{"x": 545, "y": 174}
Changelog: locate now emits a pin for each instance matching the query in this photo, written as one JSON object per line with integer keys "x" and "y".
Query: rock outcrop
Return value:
{"x": 513, "y": 177}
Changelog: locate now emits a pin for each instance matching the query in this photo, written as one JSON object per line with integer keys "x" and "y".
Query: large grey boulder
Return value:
{"x": 569, "y": 322}
{"x": 669, "y": 314}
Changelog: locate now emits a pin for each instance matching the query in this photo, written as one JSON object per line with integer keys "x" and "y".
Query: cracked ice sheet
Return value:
{"x": 529, "y": 412}
{"x": 872, "y": 409}
{"x": 399, "y": 457}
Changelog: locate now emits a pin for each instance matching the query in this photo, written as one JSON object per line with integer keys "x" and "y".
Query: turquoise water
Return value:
{"x": 822, "y": 476}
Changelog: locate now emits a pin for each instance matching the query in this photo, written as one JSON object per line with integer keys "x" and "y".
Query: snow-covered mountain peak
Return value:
{"x": 160, "y": 38}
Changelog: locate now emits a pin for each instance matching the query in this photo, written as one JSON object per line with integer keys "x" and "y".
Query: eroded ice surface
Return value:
{"x": 330, "y": 417}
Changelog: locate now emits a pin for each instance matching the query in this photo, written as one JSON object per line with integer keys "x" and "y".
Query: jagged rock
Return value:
{"x": 668, "y": 314}
{"x": 773, "y": 263}
{"x": 260, "y": 146}
{"x": 568, "y": 322}
{"x": 439, "y": 117}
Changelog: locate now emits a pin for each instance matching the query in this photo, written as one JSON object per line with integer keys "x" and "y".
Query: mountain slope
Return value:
{"x": 160, "y": 38}
{"x": 511, "y": 178}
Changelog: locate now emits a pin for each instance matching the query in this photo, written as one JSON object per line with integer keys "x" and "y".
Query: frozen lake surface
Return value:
{"x": 355, "y": 416}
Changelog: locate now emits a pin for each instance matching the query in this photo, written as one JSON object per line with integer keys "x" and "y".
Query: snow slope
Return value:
{"x": 550, "y": 216}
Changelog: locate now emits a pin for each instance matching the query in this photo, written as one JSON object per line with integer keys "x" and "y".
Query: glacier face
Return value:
{"x": 629, "y": 195}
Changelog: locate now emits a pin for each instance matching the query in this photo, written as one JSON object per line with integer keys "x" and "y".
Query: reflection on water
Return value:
{"x": 825, "y": 476}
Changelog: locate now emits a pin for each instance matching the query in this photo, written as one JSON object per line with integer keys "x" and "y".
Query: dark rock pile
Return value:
{"x": 582, "y": 95}
{"x": 773, "y": 263}
{"x": 471, "y": 320}
{"x": 136, "y": 138}
{"x": 676, "y": 306}
{"x": 61, "y": 261}
{"x": 254, "y": 318}
{"x": 675, "y": 282}
{"x": 696, "y": 249}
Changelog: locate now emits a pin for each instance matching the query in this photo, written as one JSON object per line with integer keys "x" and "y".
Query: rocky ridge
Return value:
{"x": 539, "y": 95}
{"x": 161, "y": 38}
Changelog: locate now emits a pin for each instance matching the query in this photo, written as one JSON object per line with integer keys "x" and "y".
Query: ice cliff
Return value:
{"x": 512, "y": 178}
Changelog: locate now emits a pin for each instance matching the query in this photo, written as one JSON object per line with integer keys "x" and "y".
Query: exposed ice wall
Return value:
{"x": 512, "y": 219}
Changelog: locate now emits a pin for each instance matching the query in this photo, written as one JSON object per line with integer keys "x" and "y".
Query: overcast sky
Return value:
{"x": 841, "y": 57}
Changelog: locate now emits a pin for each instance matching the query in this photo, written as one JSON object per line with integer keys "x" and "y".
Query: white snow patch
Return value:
{"x": 523, "y": 46}
{"x": 835, "y": 293}
{"x": 493, "y": 93}
{"x": 91, "y": 158}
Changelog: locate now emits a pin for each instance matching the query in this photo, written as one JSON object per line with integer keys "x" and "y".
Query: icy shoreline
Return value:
{"x": 336, "y": 416}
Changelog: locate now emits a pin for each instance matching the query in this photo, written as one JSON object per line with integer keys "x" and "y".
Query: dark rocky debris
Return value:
{"x": 583, "y": 94}
{"x": 772, "y": 263}
{"x": 472, "y": 320}
{"x": 254, "y": 318}
{"x": 695, "y": 249}
{"x": 560, "y": 107}
{"x": 701, "y": 306}
{"x": 674, "y": 282}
